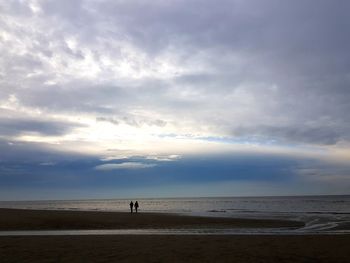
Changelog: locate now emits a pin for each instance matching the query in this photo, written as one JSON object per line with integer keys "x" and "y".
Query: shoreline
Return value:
{"x": 159, "y": 248}
{"x": 25, "y": 219}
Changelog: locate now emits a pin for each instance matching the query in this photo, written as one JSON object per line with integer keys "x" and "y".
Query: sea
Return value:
{"x": 319, "y": 213}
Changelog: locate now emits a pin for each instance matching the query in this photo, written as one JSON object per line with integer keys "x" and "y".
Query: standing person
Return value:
{"x": 136, "y": 206}
{"x": 131, "y": 206}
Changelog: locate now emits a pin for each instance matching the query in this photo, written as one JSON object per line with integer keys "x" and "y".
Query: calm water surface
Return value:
{"x": 318, "y": 212}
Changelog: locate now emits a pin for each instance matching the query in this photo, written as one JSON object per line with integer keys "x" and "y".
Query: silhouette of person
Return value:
{"x": 131, "y": 206}
{"x": 136, "y": 206}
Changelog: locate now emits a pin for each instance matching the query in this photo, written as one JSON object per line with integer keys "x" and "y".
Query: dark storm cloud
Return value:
{"x": 303, "y": 134}
{"x": 15, "y": 152}
{"x": 14, "y": 127}
{"x": 37, "y": 169}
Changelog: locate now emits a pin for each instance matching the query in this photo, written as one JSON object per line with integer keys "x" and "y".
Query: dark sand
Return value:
{"x": 327, "y": 248}
{"x": 273, "y": 249}
{"x": 16, "y": 219}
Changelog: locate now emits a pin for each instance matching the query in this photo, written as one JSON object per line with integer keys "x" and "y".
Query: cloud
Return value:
{"x": 25, "y": 168}
{"x": 135, "y": 121}
{"x": 125, "y": 165}
{"x": 326, "y": 135}
{"x": 111, "y": 120}
{"x": 20, "y": 126}
{"x": 238, "y": 64}
{"x": 37, "y": 153}
{"x": 165, "y": 78}
{"x": 164, "y": 158}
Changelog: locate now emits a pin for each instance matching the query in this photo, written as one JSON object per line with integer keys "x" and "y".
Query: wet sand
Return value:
{"x": 153, "y": 248}
{"x": 279, "y": 249}
{"x": 17, "y": 219}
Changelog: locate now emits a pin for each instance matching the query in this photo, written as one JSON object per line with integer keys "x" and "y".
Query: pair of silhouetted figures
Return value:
{"x": 132, "y": 205}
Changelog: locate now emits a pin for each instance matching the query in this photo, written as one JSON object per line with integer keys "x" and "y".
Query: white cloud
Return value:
{"x": 164, "y": 158}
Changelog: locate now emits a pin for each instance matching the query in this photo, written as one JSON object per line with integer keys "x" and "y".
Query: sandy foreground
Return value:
{"x": 152, "y": 248}
{"x": 17, "y": 219}
{"x": 319, "y": 249}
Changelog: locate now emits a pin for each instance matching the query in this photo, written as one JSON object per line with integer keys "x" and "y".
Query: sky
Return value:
{"x": 116, "y": 98}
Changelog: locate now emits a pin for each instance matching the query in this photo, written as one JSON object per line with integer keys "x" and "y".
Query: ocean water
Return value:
{"x": 318, "y": 212}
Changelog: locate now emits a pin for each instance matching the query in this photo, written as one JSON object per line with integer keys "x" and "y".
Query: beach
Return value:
{"x": 158, "y": 248}
{"x": 253, "y": 249}
{"x": 22, "y": 219}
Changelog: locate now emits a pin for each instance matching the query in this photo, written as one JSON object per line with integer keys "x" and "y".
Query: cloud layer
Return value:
{"x": 125, "y": 165}
{"x": 111, "y": 78}
{"x": 239, "y": 68}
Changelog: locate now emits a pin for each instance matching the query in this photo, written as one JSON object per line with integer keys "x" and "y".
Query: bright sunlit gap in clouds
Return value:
{"x": 247, "y": 93}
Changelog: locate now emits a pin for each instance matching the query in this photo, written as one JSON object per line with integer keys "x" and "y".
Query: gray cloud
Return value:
{"x": 111, "y": 120}
{"x": 273, "y": 69}
{"x": 302, "y": 134}
{"x": 133, "y": 121}
{"x": 19, "y": 126}
{"x": 15, "y": 152}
